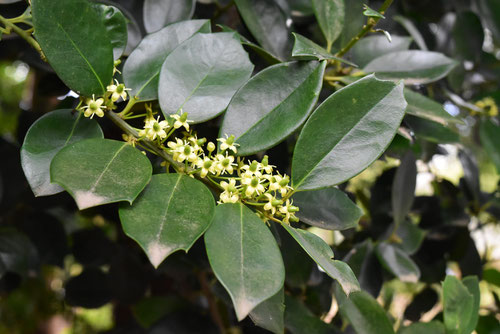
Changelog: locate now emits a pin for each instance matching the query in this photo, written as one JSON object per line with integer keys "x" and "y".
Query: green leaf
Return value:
{"x": 492, "y": 276}
{"x": 431, "y": 131}
{"x": 47, "y": 136}
{"x": 330, "y": 16}
{"x": 411, "y": 236}
{"x": 472, "y": 284}
{"x": 403, "y": 187}
{"x": 100, "y": 171}
{"x": 397, "y": 262}
{"x": 412, "y": 30}
{"x": 365, "y": 314}
{"x": 77, "y": 47}
{"x": 116, "y": 25}
{"x": 322, "y": 254}
{"x": 282, "y": 97}
{"x": 433, "y": 327}
{"x": 372, "y": 47}
{"x": 371, "y": 12}
{"x": 459, "y": 307}
{"x": 159, "y": 13}
{"x": 490, "y": 15}
{"x": 202, "y": 74}
{"x": 267, "y": 23}
{"x": 298, "y": 264}
{"x": 171, "y": 214}
{"x": 416, "y": 67}
{"x": 270, "y": 313}
{"x": 347, "y": 132}
{"x": 305, "y": 49}
{"x": 328, "y": 208}
{"x": 299, "y": 319}
{"x": 490, "y": 140}
{"x": 423, "y": 107}
{"x": 468, "y": 35}
{"x": 142, "y": 68}
{"x": 244, "y": 257}
{"x": 353, "y": 20}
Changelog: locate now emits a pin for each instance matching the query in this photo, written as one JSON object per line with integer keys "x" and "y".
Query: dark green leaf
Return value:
{"x": 267, "y": 23}
{"x": 372, "y": 47}
{"x": 77, "y": 46}
{"x": 423, "y": 107}
{"x": 492, "y": 276}
{"x": 412, "y": 30}
{"x": 347, "y": 132}
{"x": 300, "y": 320}
{"x": 244, "y": 256}
{"x": 433, "y": 327}
{"x": 353, "y": 20}
{"x": 17, "y": 252}
{"x": 100, "y": 171}
{"x": 490, "y": 139}
{"x": 142, "y": 68}
{"x": 403, "y": 187}
{"x": 328, "y": 208}
{"x": 490, "y": 14}
{"x": 397, "y": 262}
{"x": 431, "y": 131}
{"x": 365, "y": 314}
{"x": 459, "y": 306}
{"x": 305, "y": 49}
{"x": 411, "y": 236}
{"x": 298, "y": 264}
{"x": 366, "y": 267}
{"x": 170, "y": 215}
{"x": 322, "y": 254}
{"x": 270, "y": 313}
{"x": 116, "y": 25}
{"x": 330, "y": 16}
{"x": 372, "y": 13}
{"x": 416, "y": 67}
{"x": 45, "y": 138}
{"x": 272, "y": 104}
{"x": 202, "y": 74}
{"x": 159, "y": 13}
{"x": 472, "y": 284}
{"x": 468, "y": 35}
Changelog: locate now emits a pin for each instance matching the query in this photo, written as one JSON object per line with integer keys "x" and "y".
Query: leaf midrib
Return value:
{"x": 92, "y": 189}
{"x": 165, "y": 213}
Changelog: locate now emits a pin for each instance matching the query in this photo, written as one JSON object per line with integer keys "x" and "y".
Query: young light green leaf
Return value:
{"x": 169, "y": 215}
{"x": 282, "y": 97}
{"x": 322, "y": 254}
{"x": 100, "y": 171}
{"x": 347, "y": 132}
{"x": 270, "y": 313}
{"x": 460, "y": 309}
{"x": 433, "y": 327}
{"x": 423, "y": 107}
{"x": 330, "y": 16}
{"x": 327, "y": 208}
{"x": 142, "y": 68}
{"x": 375, "y": 46}
{"x": 371, "y": 12}
{"x": 403, "y": 188}
{"x": 415, "y": 67}
{"x": 397, "y": 262}
{"x": 305, "y": 49}
{"x": 244, "y": 257}
{"x": 76, "y": 46}
{"x": 47, "y": 136}
{"x": 202, "y": 74}
{"x": 159, "y": 13}
{"x": 116, "y": 25}
{"x": 488, "y": 132}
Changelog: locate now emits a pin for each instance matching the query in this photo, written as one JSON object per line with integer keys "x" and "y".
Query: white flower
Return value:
{"x": 181, "y": 121}
{"x": 228, "y": 143}
{"x": 93, "y": 107}
{"x": 253, "y": 185}
{"x": 271, "y": 204}
{"x": 224, "y": 164}
{"x": 117, "y": 91}
{"x": 154, "y": 128}
{"x": 288, "y": 210}
{"x": 279, "y": 183}
{"x": 207, "y": 166}
{"x": 253, "y": 169}
{"x": 230, "y": 193}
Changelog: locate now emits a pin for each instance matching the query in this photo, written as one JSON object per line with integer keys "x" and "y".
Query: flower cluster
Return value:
{"x": 97, "y": 106}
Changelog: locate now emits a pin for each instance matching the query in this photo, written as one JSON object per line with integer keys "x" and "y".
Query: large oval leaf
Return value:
{"x": 202, "y": 74}
{"x": 272, "y": 104}
{"x": 347, "y": 132}
{"x": 171, "y": 214}
{"x": 330, "y": 16}
{"x": 244, "y": 256}
{"x": 142, "y": 68}
{"x": 47, "y": 136}
{"x": 322, "y": 254}
{"x": 397, "y": 262}
{"x": 328, "y": 208}
{"x": 116, "y": 25}
{"x": 100, "y": 171}
{"x": 375, "y": 46}
{"x": 77, "y": 46}
{"x": 416, "y": 67}
{"x": 159, "y": 13}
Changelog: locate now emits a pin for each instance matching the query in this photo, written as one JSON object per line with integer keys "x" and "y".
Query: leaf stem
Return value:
{"x": 23, "y": 34}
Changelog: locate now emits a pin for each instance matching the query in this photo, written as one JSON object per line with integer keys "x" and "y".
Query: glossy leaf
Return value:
{"x": 270, "y": 313}
{"x": 423, "y": 107}
{"x": 142, "y": 68}
{"x": 375, "y": 46}
{"x": 244, "y": 257}
{"x": 170, "y": 214}
{"x": 299, "y": 319}
{"x": 305, "y": 49}
{"x": 77, "y": 47}
{"x": 372, "y": 12}
{"x": 431, "y": 131}
{"x": 322, "y": 254}
{"x": 347, "y": 132}
{"x": 460, "y": 309}
{"x": 267, "y": 23}
{"x": 100, "y": 171}
{"x": 159, "y": 13}
{"x": 403, "y": 187}
{"x": 433, "y": 327}
{"x": 273, "y": 104}
{"x": 412, "y": 30}
{"x": 327, "y": 208}
{"x": 330, "y": 16}
{"x": 397, "y": 262}
{"x": 116, "y": 26}
{"x": 47, "y": 136}
{"x": 202, "y": 74}
{"x": 490, "y": 140}
{"x": 415, "y": 67}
